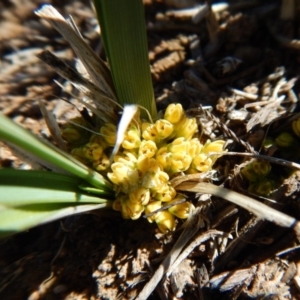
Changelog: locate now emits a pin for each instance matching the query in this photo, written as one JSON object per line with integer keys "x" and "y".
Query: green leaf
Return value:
{"x": 37, "y": 187}
{"x": 16, "y": 135}
{"x": 31, "y": 198}
{"x": 17, "y": 219}
{"x": 124, "y": 35}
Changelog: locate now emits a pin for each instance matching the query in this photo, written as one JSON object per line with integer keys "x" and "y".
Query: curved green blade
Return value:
{"x": 17, "y": 219}
{"x": 23, "y": 139}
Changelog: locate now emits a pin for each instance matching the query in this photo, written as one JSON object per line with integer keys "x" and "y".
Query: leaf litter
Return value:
{"x": 240, "y": 60}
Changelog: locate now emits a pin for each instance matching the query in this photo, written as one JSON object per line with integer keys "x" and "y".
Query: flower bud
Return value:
{"x": 131, "y": 210}
{"x": 147, "y": 148}
{"x": 101, "y": 164}
{"x": 200, "y": 163}
{"x": 150, "y": 132}
{"x": 179, "y": 162}
{"x": 71, "y": 135}
{"x": 75, "y": 134}
{"x": 92, "y": 151}
{"x": 174, "y": 113}
{"x": 132, "y": 139}
{"x": 165, "y": 221}
{"x": 150, "y": 208}
{"x": 216, "y": 146}
{"x": 166, "y": 196}
{"x": 140, "y": 195}
{"x": 78, "y": 153}
{"x": 194, "y": 147}
{"x": 109, "y": 132}
{"x": 179, "y": 145}
{"x": 186, "y": 128}
{"x": 164, "y": 128}
{"x": 181, "y": 210}
{"x": 285, "y": 139}
{"x": 163, "y": 157}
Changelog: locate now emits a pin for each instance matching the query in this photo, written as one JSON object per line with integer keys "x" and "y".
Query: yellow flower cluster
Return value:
{"x": 150, "y": 154}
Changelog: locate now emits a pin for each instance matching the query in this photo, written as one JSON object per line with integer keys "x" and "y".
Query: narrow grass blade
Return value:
{"x": 124, "y": 34}
{"x": 16, "y": 135}
{"x": 17, "y": 219}
{"x": 37, "y": 187}
{"x": 257, "y": 208}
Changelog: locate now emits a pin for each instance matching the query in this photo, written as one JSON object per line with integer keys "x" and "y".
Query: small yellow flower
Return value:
{"x": 92, "y": 151}
{"x": 150, "y": 132}
{"x": 123, "y": 175}
{"x": 216, "y": 146}
{"x": 140, "y": 195}
{"x": 186, "y": 128}
{"x": 150, "y": 208}
{"x": 166, "y": 196}
{"x": 200, "y": 163}
{"x": 131, "y": 210}
{"x": 195, "y": 147}
{"x": 179, "y": 162}
{"x": 109, "y": 132}
{"x": 101, "y": 164}
{"x": 147, "y": 148}
{"x": 132, "y": 139}
{"x": 296, "y": 126}
{"x": 163, "y": 157}
{"x": 165, "y": 221}
{"x": 75, "y": 134}
{"x": 78, "y": 153}
{"x": 164, "y": 128}
{"x": 71, "y": 135}
{"x": 179, "y": 145}
{"x": 181, "y": 210}
{"x": 174, "y": 113}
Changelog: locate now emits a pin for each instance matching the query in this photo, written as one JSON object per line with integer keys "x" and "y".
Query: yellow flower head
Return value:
{"x": 101, "y": 164}
{"x": 186, "y": 128}
{"x": 181, "y": 210}
{"x": 132, "y": 138}
{"x": 166, "y": 196}
{"x": 165, "y": 221}
{"x": 163, "y": 157}
{"x": 109, "y": 132}
{"x": 131, "y": 210}
{"x": 140, "y": 195}
{"x": 147, "y": 148}
{"x": 179, "y": 162}
{"x": 150, "y": 208}
{"x": 92, "y": 151}
{"x": 164, "y": 128}
{"x": 200, "y": 163}
{"x": 179, "y": 145}
{"x": 216, "y": 146}
{"x": 174, "y": 113}
{"x": 150, "y": 132}
{"x": 195, "y": 147}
